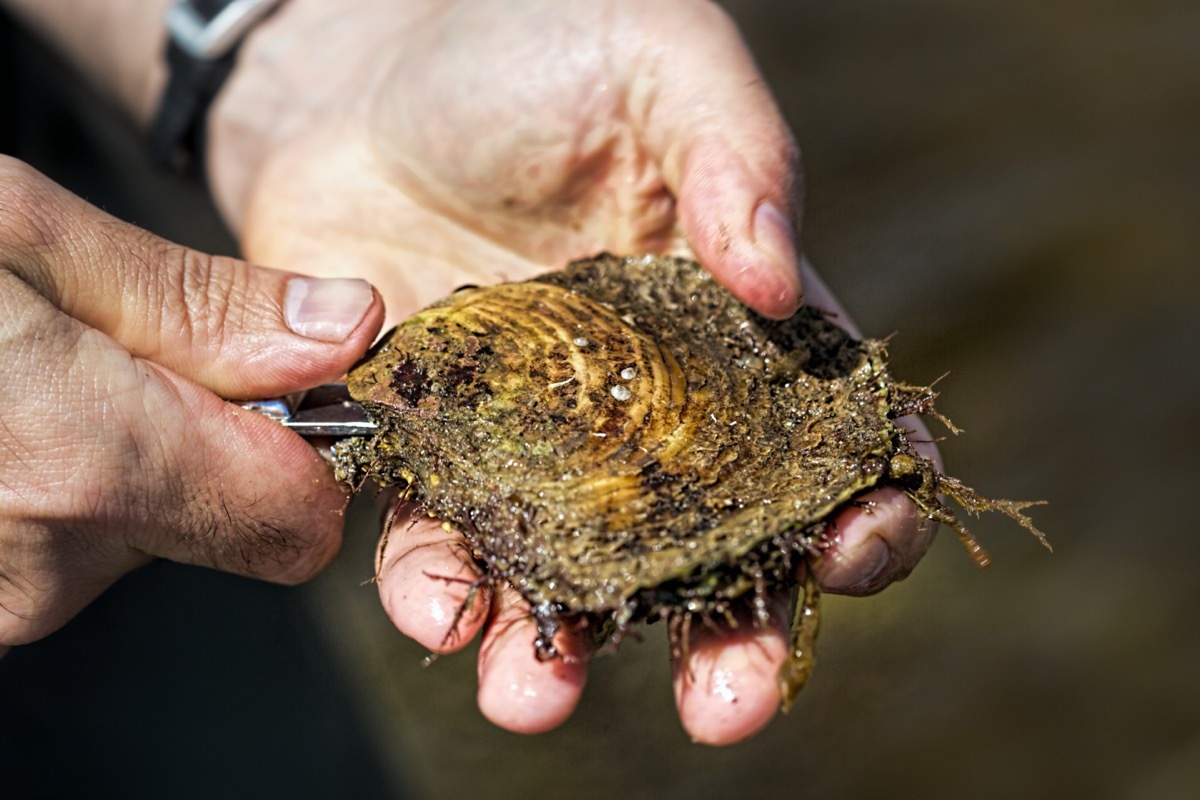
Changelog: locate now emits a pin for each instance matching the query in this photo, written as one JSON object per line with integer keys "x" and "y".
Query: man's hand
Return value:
{"x": 116, "y": 446}
{"x": 425, "y": 145}
{"x": 441, "y": 143}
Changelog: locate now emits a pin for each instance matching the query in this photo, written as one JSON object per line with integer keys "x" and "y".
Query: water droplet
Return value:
{"x": 629, "y": 373}
{"x": 580, "y": 341}
{"x": 620, "y": 392}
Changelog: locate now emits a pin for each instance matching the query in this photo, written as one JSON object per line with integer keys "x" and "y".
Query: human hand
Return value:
{"x": 454, "y": 143}
{"x": 117, "y": 446}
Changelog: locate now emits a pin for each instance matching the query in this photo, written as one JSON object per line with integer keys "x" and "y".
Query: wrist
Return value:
{"x": 201, "y": 54}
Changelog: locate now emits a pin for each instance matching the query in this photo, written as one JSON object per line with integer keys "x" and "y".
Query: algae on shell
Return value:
{"x": 623, "y": 440}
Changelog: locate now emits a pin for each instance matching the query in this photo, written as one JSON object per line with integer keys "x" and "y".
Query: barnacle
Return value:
{"x": 623, "y": 440}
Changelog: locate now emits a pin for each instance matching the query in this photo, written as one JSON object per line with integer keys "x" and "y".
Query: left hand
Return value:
{"x": 433, "y": 144}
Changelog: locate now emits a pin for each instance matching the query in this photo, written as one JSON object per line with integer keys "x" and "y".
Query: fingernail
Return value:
{"x": 775, "y": 236}
{"x": 873, "y": 559}
{"x": 326, "y": 309}
{"x": 855, "y": 567}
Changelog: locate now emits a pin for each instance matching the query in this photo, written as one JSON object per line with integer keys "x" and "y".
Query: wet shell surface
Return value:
{"x": 624, "y": 440}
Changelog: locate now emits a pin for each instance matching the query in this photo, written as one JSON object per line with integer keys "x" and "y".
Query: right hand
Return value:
{"x": 116, "y": 446}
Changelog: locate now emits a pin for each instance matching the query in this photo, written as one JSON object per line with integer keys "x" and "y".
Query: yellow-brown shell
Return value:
{"x": 623, "y": 439}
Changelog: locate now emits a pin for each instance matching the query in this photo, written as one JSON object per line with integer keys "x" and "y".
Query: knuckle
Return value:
{"x": 24, "y": 186}
{"x": 30, "y": 214}
{"x": 202, "y": 295}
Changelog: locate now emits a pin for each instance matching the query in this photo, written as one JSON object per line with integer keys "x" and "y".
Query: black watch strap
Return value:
{"x": 201, "y": 52}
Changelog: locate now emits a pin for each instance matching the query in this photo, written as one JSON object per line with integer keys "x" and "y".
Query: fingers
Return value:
{"x": 237, "y": 329}
{"x": 433, "y": 595}
{"x": 746, "y": 241}
{"x": 727, "y": 676}
{"x": 726, "y": 684}
{"x": 118, "y": 462}
{"x": 110, "y": 461}
{"x": 427, "y": 583}
{"x": 249, "y": 497}
{"x": 728, "y": 157}
{"x": 726, "y": 690}
{"x": 879, "y": 539}
{"x": 516, "y": 690}
{"x": 108, "y": 458}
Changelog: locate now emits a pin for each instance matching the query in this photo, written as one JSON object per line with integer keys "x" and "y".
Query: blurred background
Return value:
{"x": 1013, "y": 189}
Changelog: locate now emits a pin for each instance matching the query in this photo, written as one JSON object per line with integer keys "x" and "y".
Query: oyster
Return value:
{"x": 623, "y": 440}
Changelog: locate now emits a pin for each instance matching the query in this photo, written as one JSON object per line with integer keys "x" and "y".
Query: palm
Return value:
{"x": 483, "y": 154}
{"x": 542, "y": 155}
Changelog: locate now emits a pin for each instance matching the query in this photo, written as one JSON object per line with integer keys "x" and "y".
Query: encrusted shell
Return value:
{"x": 623, "y": 439}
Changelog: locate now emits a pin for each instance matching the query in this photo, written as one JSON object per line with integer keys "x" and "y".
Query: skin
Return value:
{"x": 117, "y": 445}
{"x": 480, "y": 154}
{"x": 428, "y": 144}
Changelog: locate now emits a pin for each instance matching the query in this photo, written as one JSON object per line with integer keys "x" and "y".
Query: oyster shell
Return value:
{"x": 624, "y": 440}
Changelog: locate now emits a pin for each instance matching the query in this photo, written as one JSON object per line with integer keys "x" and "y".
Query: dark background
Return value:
{"x": 1011, "y": 187}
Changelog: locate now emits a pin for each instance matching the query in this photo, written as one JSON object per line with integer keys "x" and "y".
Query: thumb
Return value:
{"x": 237, "y": 329}
{"x": 728, "y": 157}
